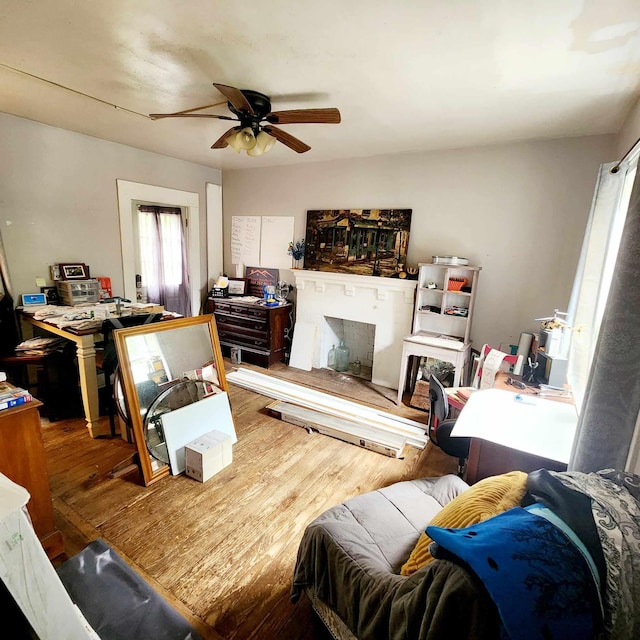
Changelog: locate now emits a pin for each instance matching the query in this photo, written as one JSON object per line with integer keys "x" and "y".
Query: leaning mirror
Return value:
{"x": 157, "y": 361}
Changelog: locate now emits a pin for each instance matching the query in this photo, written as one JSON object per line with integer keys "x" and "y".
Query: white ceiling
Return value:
{"x": 407, "y": 75}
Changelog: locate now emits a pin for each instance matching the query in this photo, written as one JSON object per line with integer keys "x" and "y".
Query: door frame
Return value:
{"x": 131, "y": 192}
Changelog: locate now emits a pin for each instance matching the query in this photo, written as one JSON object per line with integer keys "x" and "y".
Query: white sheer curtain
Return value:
{"x": 605, "y": 349}
{"x": 595, "y": 269}
{"x": 163, "y": 257}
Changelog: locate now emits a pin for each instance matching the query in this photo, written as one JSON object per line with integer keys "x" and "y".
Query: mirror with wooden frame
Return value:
{"x": 155, "y": 358}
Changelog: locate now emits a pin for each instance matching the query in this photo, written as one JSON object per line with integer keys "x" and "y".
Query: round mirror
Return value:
{"x": 180, "y": 394}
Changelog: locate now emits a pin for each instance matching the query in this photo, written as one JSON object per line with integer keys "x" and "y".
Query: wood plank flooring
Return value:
{"x": 222, "y": 552}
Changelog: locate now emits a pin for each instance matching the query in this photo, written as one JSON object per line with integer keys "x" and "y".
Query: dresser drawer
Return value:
{"x": 228, "y": 320}
{"x": 240, "y": 310}
{"x": 244, "y": 339}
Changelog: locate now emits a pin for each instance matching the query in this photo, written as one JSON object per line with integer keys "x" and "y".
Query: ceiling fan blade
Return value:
{"x": 303, "y": 116}
{"x": 235, "y": 97}
{"x": 181, "y": 114}
{"x": 287, "y": 139}
{"x": 221, "y": 142}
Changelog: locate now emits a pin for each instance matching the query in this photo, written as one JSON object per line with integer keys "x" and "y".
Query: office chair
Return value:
{"x": 107, "y": 357}
{"x": 439, "y": 427}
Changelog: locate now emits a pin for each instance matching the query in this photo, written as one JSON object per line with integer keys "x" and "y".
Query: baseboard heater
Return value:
{"x": 335, "y": 414}
{"x": 346, "y": 430}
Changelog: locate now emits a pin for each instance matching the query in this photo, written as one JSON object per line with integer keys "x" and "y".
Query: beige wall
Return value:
{"x": 629, "y": 132}
{"x": 517, "y": 210}
{"x": 58, "y": 200}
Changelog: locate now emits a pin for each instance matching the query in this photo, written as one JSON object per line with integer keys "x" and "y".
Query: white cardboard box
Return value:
{"x": 207, "y": 455}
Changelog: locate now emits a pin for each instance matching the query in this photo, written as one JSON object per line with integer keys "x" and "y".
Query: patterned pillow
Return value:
{"x": 483, "y": 500}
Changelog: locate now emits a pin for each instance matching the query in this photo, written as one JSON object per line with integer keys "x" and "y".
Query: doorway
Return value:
{"x": 161, "y": 257}
{"x": 130, "y": 194}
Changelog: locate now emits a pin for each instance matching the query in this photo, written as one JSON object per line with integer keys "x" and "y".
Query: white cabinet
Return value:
{"x": 442, "y": 316}
{"x": 444, "y": 300}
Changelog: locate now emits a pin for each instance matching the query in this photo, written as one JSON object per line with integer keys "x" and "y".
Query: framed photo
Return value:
{"x": 77, "y": 271}
{"x": 51, "y": 293}
{"x": 54, "y": 272}
{"x": 237, "y": 286}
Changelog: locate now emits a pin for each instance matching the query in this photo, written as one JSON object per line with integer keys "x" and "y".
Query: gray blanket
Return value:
{"x": 352, "y": 554}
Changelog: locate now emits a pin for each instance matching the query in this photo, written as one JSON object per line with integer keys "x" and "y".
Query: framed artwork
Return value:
{"x": 74, "y": 271}
{"x": 258, "y": 277}
{"x": 237, "y": 286}
{"x": 369, "y": 242}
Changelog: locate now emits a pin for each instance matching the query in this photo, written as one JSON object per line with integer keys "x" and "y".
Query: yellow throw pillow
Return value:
{"x": 482, "y": 501}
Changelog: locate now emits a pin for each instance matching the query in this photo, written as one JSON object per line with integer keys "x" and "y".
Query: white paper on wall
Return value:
{"x": 275, "y": 235}
{"x": 245, "y": 239}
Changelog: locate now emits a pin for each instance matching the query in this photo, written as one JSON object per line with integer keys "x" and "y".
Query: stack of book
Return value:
{"x": 40, "y": 346}
{"x": 11, "y": 396}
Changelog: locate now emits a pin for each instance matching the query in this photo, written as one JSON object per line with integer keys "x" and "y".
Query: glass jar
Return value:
{"x": 342, "y": 357}
{"x": 331, "y": 357}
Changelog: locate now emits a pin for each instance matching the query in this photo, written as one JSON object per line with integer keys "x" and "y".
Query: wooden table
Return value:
{"x": 85, "y": 350}
{"x": 22, "y": 460}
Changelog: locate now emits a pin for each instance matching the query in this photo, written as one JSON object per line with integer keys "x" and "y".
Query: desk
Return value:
{"x": 85, "y": 350}
{"x": 508, "y": 434}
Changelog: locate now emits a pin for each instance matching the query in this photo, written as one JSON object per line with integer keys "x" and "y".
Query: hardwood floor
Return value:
{"x": 222, "y": 552}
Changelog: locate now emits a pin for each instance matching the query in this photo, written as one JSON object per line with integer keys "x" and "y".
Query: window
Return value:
{"x": 596, "y": 268}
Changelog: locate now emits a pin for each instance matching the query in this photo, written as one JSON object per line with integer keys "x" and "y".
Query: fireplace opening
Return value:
{"x": 359, "y": 337}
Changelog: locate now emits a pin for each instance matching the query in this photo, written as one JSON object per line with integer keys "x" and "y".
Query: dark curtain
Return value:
{"x": 164, "y": 258}
{"x": 612, "y": 399}
{"x": 9, "y": 332}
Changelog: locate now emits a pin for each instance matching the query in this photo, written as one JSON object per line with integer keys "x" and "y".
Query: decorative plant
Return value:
{"x": 297, "y": 249}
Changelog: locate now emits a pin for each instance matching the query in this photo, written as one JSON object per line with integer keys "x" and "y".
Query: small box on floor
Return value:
{"x": 207, "y": 455}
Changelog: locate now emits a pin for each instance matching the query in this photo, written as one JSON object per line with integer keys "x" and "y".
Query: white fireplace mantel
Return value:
{"x": 385, "y": 302}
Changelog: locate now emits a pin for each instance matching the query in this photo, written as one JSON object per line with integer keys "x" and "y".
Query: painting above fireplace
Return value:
{"x": 369, "y": 242}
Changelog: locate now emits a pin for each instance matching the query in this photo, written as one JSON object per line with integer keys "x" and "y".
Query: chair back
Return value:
{"x": 506, "y": 360}
{"x": 438, "y": 404}
{"x": 110, "y": 359}
{"x": 9, "y": 332}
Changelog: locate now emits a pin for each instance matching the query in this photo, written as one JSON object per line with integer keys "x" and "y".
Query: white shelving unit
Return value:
{"x": 442, "y": 316}
{"x": 441, "y": 307}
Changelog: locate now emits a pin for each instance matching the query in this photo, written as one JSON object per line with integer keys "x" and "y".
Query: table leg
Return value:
{"x": 89, "y": 384}
{"x": 403, "y": 377}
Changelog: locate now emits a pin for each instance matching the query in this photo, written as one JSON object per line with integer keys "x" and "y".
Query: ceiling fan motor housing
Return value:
{"x": 261, "y": 106}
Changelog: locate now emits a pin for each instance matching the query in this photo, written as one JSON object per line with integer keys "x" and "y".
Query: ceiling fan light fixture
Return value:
{"x": 265, "y": 141}
{"x": 245, "y": 139}
{"x": 233, "y": 142}
{"x": 250, "y": 110}
{"x": 256, "y": 151}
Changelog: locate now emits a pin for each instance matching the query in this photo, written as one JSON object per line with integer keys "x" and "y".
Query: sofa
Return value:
{"x": 576, "y": 529}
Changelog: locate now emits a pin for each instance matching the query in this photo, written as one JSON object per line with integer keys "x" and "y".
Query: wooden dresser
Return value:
{"x": 22, "y": 459}
{"x": 262, "y": 334}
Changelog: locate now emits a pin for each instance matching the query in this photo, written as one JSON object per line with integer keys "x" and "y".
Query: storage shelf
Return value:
{"x": 441, "y": 297}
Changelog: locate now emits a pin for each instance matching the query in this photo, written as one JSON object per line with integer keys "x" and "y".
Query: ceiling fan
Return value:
{"x": 256, "y": 133}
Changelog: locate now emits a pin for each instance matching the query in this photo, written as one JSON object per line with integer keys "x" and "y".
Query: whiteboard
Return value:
{"x": 275, "y": 235}
{"x": 183, "y": 425}
{"x": 245, "y": 239}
